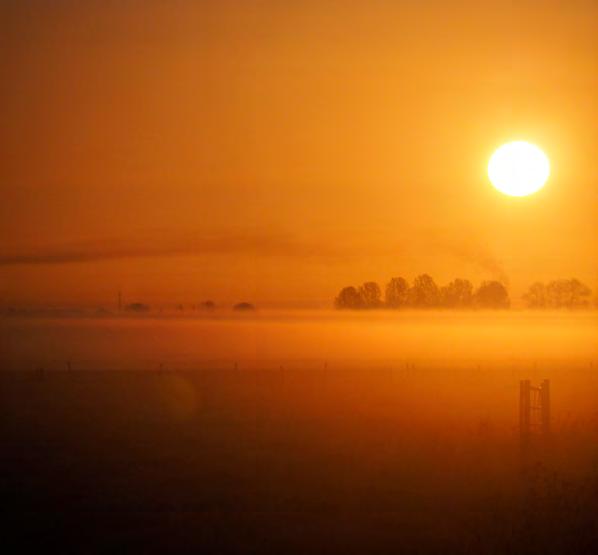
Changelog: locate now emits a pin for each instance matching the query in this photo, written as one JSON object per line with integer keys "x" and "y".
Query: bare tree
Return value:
{"x": 536, "y": 296}
{"x": 457, "y": 294}
{"x": 396, "y": 292}
{"x": 424, "y": 292}
{"x": 371, "y": 294}
{"x": 567, "y": 293}
{"x": 349, "y": 298}
{"x": 492, "y": 294}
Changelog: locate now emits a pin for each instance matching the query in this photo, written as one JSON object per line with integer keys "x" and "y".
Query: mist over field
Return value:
{"x": 307, "y": 338}
{"x": 364, "y": 432}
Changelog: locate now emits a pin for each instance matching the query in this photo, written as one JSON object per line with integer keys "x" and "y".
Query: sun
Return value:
{"x": 518, "y": 169}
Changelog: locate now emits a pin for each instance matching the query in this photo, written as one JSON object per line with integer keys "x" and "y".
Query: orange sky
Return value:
{"x": 276, "y": 151}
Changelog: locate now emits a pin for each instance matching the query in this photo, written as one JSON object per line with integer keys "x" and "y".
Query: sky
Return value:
{"x": 276, "y": 151}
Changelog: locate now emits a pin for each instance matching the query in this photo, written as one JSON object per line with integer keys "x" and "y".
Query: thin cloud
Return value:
{"x": 281, "y": 244}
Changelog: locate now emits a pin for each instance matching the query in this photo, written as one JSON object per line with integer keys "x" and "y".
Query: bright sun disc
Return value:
{"x": 518, "y": 169}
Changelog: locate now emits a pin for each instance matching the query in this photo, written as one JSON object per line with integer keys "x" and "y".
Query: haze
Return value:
{"x": 277, "y": 152}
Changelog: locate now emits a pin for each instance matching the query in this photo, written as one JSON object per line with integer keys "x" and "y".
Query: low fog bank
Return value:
{"x": 299, "y": 338}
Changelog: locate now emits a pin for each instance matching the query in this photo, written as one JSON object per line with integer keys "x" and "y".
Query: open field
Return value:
{"x": 238, "y": 445}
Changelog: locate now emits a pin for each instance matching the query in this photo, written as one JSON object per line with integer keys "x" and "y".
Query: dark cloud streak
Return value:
{"x": 94, "y": 251}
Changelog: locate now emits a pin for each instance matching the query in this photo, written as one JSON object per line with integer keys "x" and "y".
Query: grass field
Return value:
{"x": 287, "y": 456}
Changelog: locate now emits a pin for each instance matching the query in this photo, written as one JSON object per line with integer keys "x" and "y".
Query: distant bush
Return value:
{"x": 137, "y": 307}
{"x": 244, "y": 307}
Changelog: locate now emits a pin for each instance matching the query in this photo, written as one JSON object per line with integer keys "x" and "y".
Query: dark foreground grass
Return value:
{"x": 283, "y": 462}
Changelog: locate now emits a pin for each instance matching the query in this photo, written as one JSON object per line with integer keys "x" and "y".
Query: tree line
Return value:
{"x": 460, "y": 293}
{"x": 559, "y": 293}
{"x": 424, "y": 293}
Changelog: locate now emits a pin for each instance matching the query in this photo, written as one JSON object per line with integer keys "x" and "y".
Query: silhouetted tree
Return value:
{"x": 371, "y": 294}
{"x": 349, "y": 298}
{"x": 396, "y": 292}
{"x": 207, "y": 305}
{"x": 536, "y": 296}
{"x": 423, "y": 293}
{"x": 567, "y": 293}
{"x": 492, "y": 294}
{"x": 457, "y": 294}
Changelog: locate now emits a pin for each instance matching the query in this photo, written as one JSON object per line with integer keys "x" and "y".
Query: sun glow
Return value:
{"x": 518, "y": 169}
